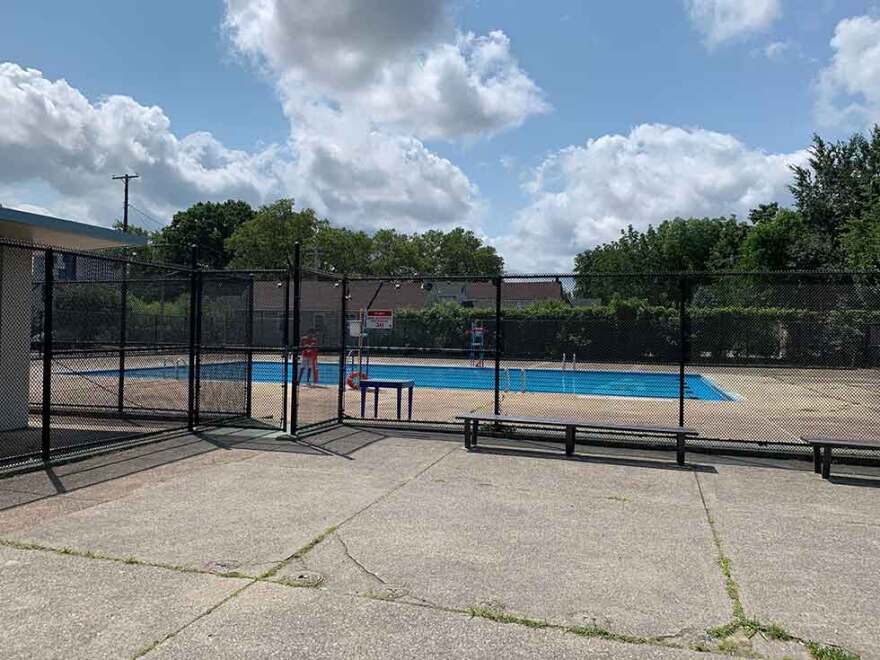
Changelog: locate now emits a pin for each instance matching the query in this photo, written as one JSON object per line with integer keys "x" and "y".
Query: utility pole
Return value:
{"x": 125, "y": 178}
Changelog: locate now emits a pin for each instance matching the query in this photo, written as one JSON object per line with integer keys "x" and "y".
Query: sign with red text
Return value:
{"x": 380, "y": 319}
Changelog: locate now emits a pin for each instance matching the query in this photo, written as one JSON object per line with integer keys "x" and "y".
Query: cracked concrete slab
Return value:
{"x": 240, "y": 516}
{"x": 803, "y": 552}
{"x": 270, "y": 620}
{"x": 581, "y": 543}
{"x": 57, "y": 606}
{"x": 620, "y": 541}
{"x": 244, "y": 515}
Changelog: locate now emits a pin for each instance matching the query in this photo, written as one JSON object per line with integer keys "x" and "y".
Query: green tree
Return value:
{"x": 342, "y": 250}
{"x": 787, "y": 242}
{"x": 841, "y": 182}
{"x": 208, "y": 225}
{"x": 680, "y": 244}
{"x": 457, "y": 252}
{"x": 860, "y": 241}
{"x": 142, "y": 253}
{"x": 395, "y": 254}
{"x": 267, "y": 240}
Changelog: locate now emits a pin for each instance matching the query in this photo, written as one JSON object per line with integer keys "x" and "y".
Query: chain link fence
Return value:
{"x": 100, "y": 349}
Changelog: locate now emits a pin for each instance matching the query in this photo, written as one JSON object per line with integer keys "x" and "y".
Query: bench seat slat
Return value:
{"x": 555, "y": 421}
{"x": 855, "y": 443}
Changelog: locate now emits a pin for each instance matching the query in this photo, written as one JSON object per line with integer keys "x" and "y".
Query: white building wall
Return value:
{"x": 15, "y": 336}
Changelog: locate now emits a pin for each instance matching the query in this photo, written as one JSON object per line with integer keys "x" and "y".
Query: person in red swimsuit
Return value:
{"x": 309, "y": 356}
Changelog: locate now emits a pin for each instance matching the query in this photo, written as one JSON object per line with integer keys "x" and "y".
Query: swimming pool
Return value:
{"x": 641, "y": 384}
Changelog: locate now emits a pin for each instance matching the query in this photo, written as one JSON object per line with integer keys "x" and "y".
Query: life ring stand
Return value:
{"x": 354, "y": 379}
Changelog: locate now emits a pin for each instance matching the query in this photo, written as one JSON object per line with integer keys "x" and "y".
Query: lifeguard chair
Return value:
{"x": 477, "y": 336}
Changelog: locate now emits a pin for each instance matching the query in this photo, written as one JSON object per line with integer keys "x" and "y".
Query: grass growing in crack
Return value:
{"x": 130, "y": 560}
{"x": 775, "y": 632}
{"x": 500, "y": 616}
{"x": 308, "y": 547}
{"x": 828, "y": 652}
{"x": 752, "y": 627}
{"x": 602, "y": 633}
{"x": 299, "y": 554}
{"x": 141, "y": 652}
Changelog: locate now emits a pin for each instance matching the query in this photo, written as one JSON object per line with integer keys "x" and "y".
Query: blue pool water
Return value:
{"x": 599, "y": 383}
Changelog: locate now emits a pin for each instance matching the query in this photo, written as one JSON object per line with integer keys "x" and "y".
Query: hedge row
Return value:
{"x": 642, "y": 333}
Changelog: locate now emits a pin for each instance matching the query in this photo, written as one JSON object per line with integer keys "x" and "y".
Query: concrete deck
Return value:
{"x": 352, "y": 543}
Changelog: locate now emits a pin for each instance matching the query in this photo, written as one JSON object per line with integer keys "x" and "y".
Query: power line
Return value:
{"x": 158, "y": 224}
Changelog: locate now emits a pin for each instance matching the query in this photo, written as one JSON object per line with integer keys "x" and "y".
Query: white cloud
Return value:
{"x": 395, "y": 62}
{"x": 582, "y": 196}
{"x": 362, "y": 82}
{"x": 356, "y": 174}
{"x": 50, "y": 132}
{"x": 724, "y": 20}
{"x": 849, "y": 86}
{"x": 364, "y": 177}
{"x": 777, "y": 49}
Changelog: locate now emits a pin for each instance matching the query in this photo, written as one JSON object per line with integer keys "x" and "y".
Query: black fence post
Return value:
{"x": 123, "y": 339}
{"x": 200, "y": 286}
{"x": 250, "y": 348}
{"x": 498, "y": 342}
{"x": 342, "y": 330}
{"x": 48, "y": 286}
{"x": 193, "y": 294}
{"x": 683, "y": 348}
{"x": 285, "y": 331}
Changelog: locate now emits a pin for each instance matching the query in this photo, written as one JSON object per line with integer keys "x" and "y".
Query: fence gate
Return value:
{"x": 223, "y": 351}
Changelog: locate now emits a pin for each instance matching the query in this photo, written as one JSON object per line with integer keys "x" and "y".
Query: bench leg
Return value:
{"x": 817, "y": 459}
{"x": 467, "y": 434}
{"x": 679, "y": 448}
{"x": 826, "y": 462}
{"x": 475, "y": 431}
{"x": 569, "y": 440}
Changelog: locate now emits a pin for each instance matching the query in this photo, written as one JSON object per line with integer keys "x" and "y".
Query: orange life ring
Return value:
{"x": 354, "y": 379}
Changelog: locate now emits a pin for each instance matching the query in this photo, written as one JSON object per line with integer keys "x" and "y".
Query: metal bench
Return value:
{"x": 822, "y": 448}
{"x": 472, "y": 429}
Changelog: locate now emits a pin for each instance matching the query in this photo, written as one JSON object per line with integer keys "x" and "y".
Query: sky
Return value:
{"x": 545, "y": 127}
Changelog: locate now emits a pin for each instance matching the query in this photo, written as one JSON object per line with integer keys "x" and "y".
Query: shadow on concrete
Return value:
{"x": 847, "y": 480}
{"x": 41, "y": 483}
{"x": 594, "y": 458}
{"x": 340, "y": 442}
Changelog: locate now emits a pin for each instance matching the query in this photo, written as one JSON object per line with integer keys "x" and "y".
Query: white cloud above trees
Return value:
{"x": 50, "y": 132}
{"x": 720, "y": 21}
{"x": 849, "y": 85}
{"x": 581, "y": 196}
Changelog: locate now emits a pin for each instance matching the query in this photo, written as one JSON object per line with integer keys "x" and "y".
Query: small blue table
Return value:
{"x": 378, "y": 384}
